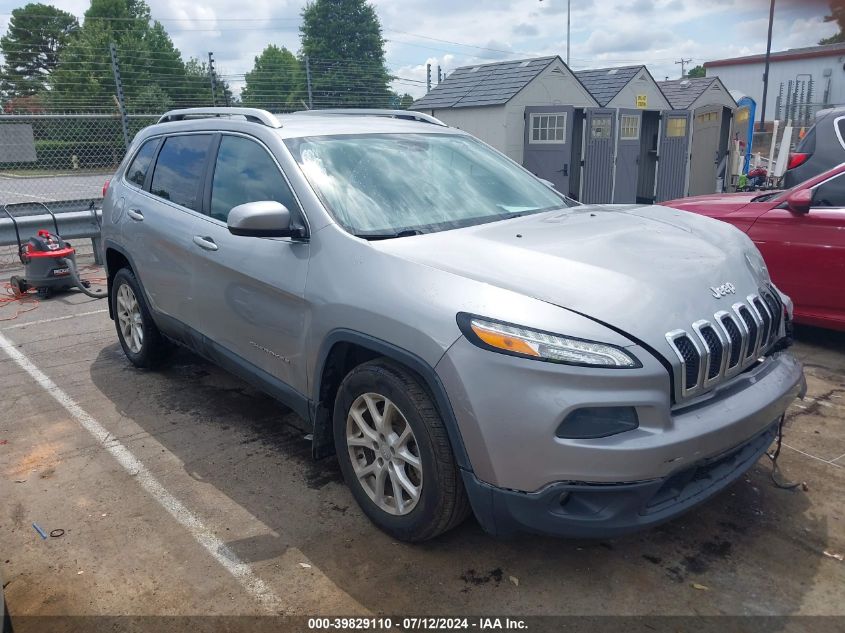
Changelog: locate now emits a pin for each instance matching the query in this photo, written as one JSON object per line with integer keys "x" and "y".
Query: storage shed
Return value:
{"x": 524, "y": 108}
{"x": 631, "y": 96}
{"x": 711, "y": 107}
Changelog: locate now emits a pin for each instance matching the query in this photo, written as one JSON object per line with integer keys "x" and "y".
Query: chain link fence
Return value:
{"x": 59, "y": 144}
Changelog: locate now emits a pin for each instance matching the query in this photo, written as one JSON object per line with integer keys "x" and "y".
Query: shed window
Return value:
{"x": 676, "y": 126}
{"x": 548, "y": 128}
{"x": 600, "y": 127}
{"x": 629, "y": 127}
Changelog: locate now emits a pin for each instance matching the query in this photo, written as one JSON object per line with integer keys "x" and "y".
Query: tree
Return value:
{"x": 406, "y": 101}
{"x": 31, "y": 47}
{"x": 83, "y": 78}
{"x": 837, "y": 14}
{"x": 275, "y": 81}
{"x": 345, "y": 48}
{"x": 697, "y": 71}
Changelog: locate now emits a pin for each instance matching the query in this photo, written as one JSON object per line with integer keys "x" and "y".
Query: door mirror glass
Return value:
{"x": 799, "y": 201}
{"x": 265, "y": 218}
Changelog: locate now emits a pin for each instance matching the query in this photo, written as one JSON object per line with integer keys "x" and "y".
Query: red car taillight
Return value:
{"x": 106, "y": 188}
{"x": 796, "y": 159}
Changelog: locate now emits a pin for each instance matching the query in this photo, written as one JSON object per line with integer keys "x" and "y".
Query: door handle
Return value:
{"x": 135, "y": 214}
{"x": 205, "y": 242}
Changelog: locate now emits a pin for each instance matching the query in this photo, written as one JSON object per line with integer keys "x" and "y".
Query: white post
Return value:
{"x": 783, "y": 150}
{"x": 771, "y": 164}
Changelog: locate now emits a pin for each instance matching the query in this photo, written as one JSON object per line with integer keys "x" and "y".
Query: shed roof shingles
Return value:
{"x": 490, "y": 84}
{"x": 605, "y": 83}
{"x": 681, "y": 93}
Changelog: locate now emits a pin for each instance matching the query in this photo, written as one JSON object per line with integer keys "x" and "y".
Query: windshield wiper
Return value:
{"x": 389, "y": 236}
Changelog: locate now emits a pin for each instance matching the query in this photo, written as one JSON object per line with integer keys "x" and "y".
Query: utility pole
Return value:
{"x": 766, "y": 67}
{"x": 212, "y": 78}
{"x": 683, "y": 62}
{"x": 428, "y": 77}
{"x": 568, "y": 28}
{"x": 308, "y": 81}
{"x": 121, "y": 100}
{"x": 439, "y": 74}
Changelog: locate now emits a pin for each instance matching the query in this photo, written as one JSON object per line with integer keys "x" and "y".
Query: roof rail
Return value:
{"x": 254, "y": 115}
{"x": 408, "y": 115}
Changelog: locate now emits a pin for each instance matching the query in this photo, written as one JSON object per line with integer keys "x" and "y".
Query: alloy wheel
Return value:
{"x": 384, "y": 453}
{"x": 129, "y": 318}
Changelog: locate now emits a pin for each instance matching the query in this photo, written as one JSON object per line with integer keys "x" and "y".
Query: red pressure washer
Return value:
{"x": 49, "y": 261}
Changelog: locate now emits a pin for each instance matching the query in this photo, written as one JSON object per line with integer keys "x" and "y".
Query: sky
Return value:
{"x": 453, "y": 33}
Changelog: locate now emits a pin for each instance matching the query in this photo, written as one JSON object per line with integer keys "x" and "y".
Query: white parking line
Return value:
{"x": 824, "y": 461}
{"x": 132, "y": 465}
{"x": 21, "y": 193}
{"x": 61, "y": 318}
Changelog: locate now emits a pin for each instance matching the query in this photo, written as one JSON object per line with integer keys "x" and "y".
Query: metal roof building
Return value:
{"x": 801, "y": 80}
{"x": 624, "y": 87}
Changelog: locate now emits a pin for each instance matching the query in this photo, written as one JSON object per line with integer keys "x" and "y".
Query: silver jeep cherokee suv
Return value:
{"x": 460, "y": 334}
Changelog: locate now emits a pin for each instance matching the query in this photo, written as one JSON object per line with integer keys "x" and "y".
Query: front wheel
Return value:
{"x": 139, "y": 337}
{"x": 395, "y": 453}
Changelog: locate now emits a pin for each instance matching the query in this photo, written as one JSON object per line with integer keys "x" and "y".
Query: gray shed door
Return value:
{"x": 629, "y": 140}
{"x": 548, "y": 143}
{"x": 598, "y": 155}
{"x": 705, "y": 154}
{"x": 674, "y": 154}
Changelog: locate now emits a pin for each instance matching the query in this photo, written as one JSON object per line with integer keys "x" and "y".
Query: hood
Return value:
{"x": 646, "y": 270}
{"x": 714, "y": 205}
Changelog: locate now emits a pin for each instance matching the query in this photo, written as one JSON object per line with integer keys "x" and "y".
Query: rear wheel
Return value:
{"x": 139, "y": 337}
{"x": 395, "y": 453}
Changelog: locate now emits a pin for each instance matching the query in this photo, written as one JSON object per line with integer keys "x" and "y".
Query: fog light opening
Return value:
{"x": 595, "y": 422}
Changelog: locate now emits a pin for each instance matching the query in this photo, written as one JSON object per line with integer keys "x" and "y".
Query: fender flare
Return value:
{"x": 403, "y": 357}
{"x": 110, "y": 245}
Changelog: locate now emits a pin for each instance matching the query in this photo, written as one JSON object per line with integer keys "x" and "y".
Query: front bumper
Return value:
{"x": 508, "y": 410}
{"x": 576, "y": 510}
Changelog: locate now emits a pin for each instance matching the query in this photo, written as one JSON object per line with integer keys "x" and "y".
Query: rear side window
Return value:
{"x": 137, "y": 172}
{"x": 245, "y": 172}
{"x": 179, "y": 169}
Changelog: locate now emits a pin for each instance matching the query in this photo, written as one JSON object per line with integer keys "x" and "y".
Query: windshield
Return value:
{"x": 388, "y": 185}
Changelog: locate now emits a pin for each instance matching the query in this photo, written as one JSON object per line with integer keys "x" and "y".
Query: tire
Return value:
{"x": 144, "y": 345}
{"x": 424, "y": 457}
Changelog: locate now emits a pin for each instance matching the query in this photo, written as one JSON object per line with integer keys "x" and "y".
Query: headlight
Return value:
{"x": 527, "y": 343}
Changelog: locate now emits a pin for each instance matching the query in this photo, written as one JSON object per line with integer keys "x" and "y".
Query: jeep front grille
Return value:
{"x": 715, "y": 349}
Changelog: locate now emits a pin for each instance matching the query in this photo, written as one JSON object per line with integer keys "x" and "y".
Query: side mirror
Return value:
{"x": 265, "y": 218}
{"x": 799, "y": 201}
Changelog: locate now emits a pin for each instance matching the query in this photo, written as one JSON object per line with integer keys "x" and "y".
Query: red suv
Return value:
{"x": 801, "y": 233}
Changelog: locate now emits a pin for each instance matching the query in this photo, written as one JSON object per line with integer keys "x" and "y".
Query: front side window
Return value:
{"x": 245, "y": 172}
{"x": 548, "y": 128}
{"x": 830, "y": 193}
{"x": 179, "y": 169}
{"x": 137, "y": 172}
{"x": 384, "y": 184}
